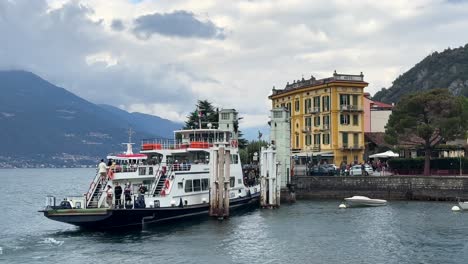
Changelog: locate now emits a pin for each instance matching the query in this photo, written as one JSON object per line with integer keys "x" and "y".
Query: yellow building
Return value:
{"x": 327, "y": 116}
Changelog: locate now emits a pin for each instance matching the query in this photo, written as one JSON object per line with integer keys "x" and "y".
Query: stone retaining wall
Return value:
{"x": 438, "y": 188}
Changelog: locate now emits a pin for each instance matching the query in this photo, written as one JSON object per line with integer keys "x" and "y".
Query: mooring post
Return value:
{"x": 221, "y": 188}
{"x": 214, "y": 186}
{"x": 263, "y": 178}
{"x": 270, "y": 186}
{"x": 227, "y": 177}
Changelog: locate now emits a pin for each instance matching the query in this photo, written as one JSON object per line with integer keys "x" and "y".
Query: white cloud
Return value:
{"x": 266, "y": 43}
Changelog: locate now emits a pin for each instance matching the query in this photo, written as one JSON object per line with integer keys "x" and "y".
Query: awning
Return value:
{"x": 386, "y": 154}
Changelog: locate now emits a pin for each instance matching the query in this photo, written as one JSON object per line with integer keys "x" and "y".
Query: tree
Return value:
{"x": 207, "y": 113}
{"x": 247, "y": 153}
{"x": 427, "y": 119}
{"x": 204, "y": 112}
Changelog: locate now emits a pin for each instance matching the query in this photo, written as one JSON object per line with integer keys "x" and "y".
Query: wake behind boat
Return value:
{"x": 364, "y": 201}
{"x": 168, "y": 179}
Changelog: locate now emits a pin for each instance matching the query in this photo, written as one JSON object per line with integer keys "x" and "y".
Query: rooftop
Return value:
{"x": 314, "y": 82}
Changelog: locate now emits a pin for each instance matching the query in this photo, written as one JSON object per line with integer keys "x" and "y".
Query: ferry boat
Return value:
{"x": 168, "y": 179}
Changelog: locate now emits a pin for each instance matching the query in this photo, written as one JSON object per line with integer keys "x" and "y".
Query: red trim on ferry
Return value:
{"x": 151, "y": 146}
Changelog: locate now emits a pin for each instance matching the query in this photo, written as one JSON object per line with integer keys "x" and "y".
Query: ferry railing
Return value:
{"x": 165, "y": 189}
{"x": 159, "y": 144}
{"x": 92, "y": 188}
{"x": 100, "y": 197}
{"x": 157, "y": 176}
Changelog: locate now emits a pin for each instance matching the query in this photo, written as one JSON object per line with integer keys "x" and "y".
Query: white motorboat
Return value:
{"x": 364, "y": 201}
{"x": 463, "y": 205}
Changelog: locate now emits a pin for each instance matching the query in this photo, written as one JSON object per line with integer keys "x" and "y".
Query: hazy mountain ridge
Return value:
{"x": 42, "y": 122}
{"x": 447, "y": 69}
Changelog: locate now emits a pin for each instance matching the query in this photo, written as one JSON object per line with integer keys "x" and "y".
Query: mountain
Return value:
{"x": 447, "y": 69}
{"x": 43, "y": 123}
{"x": 146, "y": 123}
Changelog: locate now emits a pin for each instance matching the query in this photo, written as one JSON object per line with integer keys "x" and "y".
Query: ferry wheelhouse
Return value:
{"x": 168, "y": 179}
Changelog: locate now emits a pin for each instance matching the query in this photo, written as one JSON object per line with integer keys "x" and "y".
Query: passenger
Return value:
{"x": 363, "y": 169}
{"x": 118, "y": 194}
{"x": 109, "y": 162}
{"x": 142, "y": 189}
{"x": 102, "y": 170}
{"x": 141, "y": 197}
{"x": 128, "y": 196}
{"x": 109, "y": 196}
{"x": 113, "y": 166}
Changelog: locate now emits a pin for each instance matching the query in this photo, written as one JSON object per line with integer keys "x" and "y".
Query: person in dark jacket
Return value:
{"x": 128, "y": 196}
{"x": 118, "y": 194}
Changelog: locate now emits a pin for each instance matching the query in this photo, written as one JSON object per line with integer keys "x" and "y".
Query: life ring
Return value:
{"x": 166, "y": 184}
{"x": 234, "y": 143}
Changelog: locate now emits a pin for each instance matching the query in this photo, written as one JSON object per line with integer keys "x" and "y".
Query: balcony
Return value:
{"x": 351, "y": 147}
{"x": 314, "y": 110}
{"x": 351, "y": 108}
{"x": 307, "y": 130}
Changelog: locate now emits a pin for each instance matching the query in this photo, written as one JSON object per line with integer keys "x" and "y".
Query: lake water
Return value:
{"x": 305, "y": 232}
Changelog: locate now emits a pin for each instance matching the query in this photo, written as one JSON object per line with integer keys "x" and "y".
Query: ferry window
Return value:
{"x": 234, "y": 159}
{"x": 196, "y": 185}
{"x": 180, "y": 185}
{"x": 239, "y": 181}
{"x": 232, "y": 181}
{"x": 142, "y": 171}
{"x": 150, "y": 170}
{"x": 225, "y": 116}
{"x": 205, "y": 184}
{"x": 188, "y": 186}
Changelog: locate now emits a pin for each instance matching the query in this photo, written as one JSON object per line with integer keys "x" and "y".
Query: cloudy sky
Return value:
{"x": 161, "y": 56}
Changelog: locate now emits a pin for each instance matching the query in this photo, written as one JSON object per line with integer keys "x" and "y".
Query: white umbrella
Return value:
{"x": 386, "y": 154}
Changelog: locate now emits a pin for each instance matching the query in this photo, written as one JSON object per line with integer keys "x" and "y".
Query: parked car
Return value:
{"x": 322, "y": 170}
{"x": 357, "y": 171}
